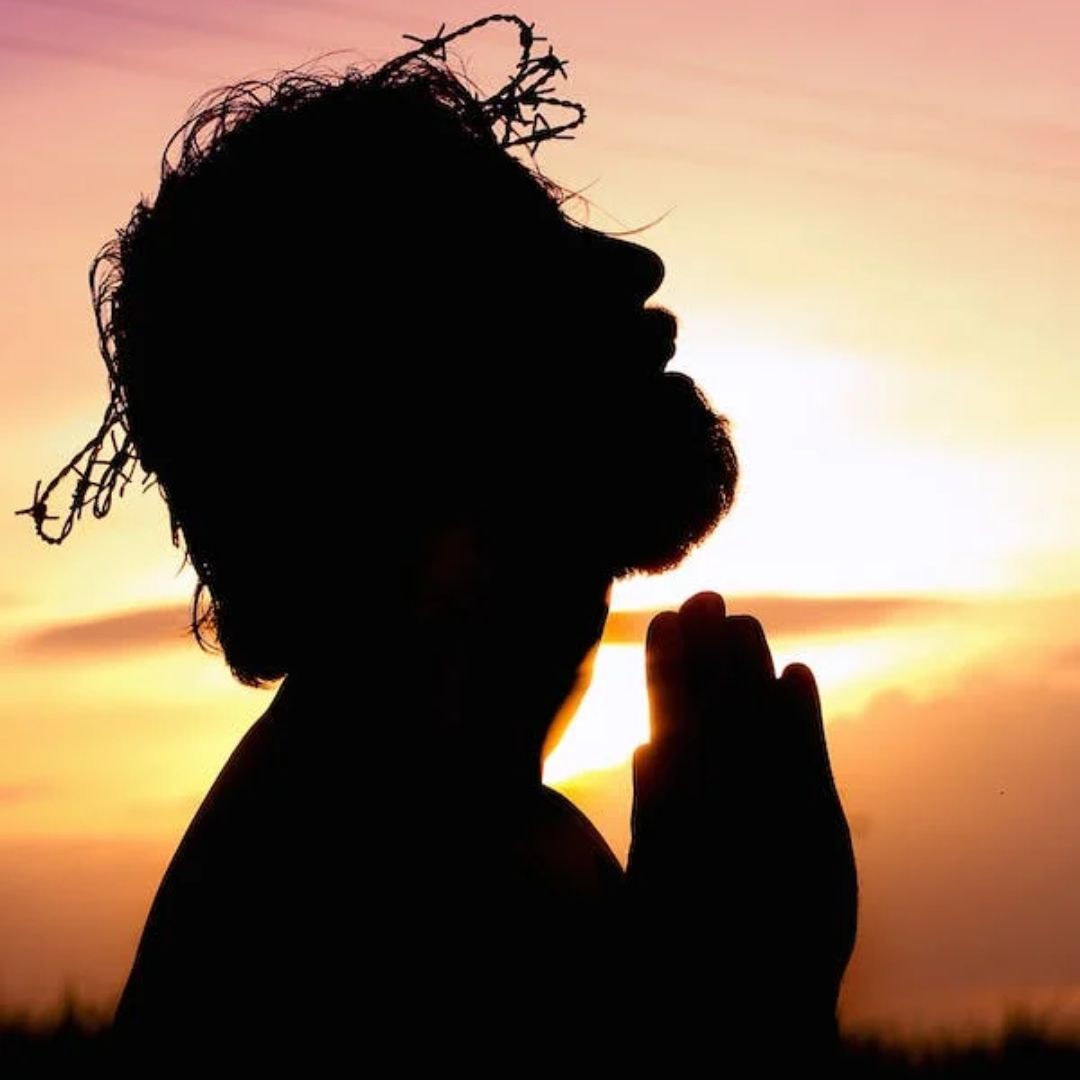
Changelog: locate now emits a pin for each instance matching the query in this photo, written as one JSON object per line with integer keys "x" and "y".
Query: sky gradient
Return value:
{"x": 870, "y": 214}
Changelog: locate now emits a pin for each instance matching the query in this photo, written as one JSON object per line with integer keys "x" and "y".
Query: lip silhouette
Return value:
{"x": 656, "y": 335}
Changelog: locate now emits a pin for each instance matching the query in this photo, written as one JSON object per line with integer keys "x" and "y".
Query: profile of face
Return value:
{"x": 628, "y": 455}
{"x": 596, "y": 461}
{"x": 387, "y": 327}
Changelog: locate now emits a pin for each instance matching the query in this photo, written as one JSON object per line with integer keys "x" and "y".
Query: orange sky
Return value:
{"x": 871, "y": 213}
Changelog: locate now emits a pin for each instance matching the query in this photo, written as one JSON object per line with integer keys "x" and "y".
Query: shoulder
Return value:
{"x": 220, "y": 889}
{"x": 563, "y": 814}
{"x": 570, "y": 849}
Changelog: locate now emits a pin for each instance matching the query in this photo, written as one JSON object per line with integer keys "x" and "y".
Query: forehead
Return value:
{"x": 531, "y": 194}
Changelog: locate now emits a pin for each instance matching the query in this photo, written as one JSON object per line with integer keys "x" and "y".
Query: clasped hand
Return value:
{"x": 740, "y": 863}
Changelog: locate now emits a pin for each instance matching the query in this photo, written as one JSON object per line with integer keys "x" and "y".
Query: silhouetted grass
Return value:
{"x": 74, "y": 1038}
{"x": 1024, "y": 1047}
{"x": 66, "y": 1042}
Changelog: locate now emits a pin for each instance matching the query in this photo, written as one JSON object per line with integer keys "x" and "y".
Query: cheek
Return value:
{"x": 671, "y": 481}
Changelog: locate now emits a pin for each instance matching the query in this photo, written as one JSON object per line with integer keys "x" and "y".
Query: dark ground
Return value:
{"x": 74, "y": 1042}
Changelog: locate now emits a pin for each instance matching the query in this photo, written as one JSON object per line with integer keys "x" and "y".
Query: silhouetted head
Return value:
{"x": 351, "y": 330}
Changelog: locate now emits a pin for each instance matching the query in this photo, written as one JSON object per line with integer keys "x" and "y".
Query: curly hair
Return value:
{"x": 212, "y": 297}
{"x": 350, "y": 320}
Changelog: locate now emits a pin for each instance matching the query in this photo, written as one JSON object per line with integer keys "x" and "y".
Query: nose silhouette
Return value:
{"x": 631, "y": 267}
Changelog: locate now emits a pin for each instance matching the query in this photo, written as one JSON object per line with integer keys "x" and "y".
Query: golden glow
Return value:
{"x": 870, "y": 237}
{"x": 611, "y": 720}
{"x": 851, "y": 670}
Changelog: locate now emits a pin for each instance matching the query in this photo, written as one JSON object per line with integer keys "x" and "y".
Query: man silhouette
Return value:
{"x": 411, "y": 422}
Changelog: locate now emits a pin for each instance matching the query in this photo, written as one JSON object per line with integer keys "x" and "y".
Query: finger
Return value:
{"x": 641, "y": 771}
{"x": 750, "y": 660}
{"x": 654, "y": 782}
{"x": 804, "y": 726}
{"x": 732, "y": 678}
{"x": 705, "y": 646}
{"x": 665, "y": 675}
{"x": 704, "y": 605}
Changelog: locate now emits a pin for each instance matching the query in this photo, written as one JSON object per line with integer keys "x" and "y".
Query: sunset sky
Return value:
{"x": 870, "y": 217}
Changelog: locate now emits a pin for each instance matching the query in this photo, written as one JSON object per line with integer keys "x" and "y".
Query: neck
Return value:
{"x": 425, "y": 712}
{"x": 462, "y": 675}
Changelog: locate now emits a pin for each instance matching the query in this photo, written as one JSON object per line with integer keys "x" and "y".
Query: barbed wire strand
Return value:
{"x": 107, "y": 464}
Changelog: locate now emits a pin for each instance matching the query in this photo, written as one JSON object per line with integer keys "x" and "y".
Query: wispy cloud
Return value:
{"x": 24, "y": 47}
{"x": 166, "y": 626}
{"x": 148, "y": 628}
{"x": 786, "y": 615}
{"x": 18, "y": 793}
{"x": 969, "y": 858}
{"x": 967, "y": 835}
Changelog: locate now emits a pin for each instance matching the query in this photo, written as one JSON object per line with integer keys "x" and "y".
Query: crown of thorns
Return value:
{"x": 108, "y": 463}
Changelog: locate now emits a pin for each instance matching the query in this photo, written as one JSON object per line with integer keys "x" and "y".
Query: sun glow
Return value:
{"x": 917, "y": 657}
